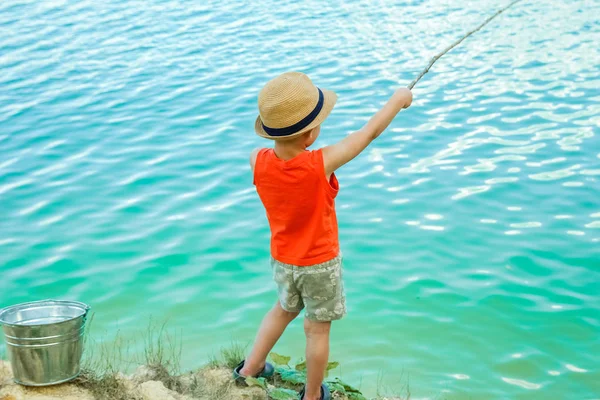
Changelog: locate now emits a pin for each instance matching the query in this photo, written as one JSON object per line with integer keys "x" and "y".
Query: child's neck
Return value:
{"x": 288, "y": 150}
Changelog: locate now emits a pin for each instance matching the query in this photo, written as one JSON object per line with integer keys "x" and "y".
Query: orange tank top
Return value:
{"x": 300, "y": 205}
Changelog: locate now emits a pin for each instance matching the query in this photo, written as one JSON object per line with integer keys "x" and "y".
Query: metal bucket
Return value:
{"x": 44, "y": 340}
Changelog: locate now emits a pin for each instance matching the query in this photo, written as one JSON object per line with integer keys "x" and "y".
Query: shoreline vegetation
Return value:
{"x": 157, "y": 375}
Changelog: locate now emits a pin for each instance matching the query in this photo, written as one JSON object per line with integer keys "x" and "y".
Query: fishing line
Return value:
{"x": 453, "y": 45}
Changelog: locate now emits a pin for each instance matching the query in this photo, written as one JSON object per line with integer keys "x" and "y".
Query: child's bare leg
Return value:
{"x": 270, "y": 331}
{"x": 317, "y": 356}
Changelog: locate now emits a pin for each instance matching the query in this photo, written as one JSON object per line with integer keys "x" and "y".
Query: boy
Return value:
{"x": 298, "y": 189}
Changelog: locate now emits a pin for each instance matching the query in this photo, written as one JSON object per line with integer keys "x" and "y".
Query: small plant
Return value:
{"x": 101, "y": 364}
{"x": 230, "y": 357}
{"x": 107, "y": 357}
{"x": 275, "y": 393}
{"x": 103, "y": 387}
{"x": 162, "y": 354}
{"x": 104, "y": 360}
{"x": 288, "y": 380}
{"x": 161, "y": 348}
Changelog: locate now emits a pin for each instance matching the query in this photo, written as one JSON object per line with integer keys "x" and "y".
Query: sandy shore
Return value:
{"x": 209, "y": 383}
{"x": 139, "y": 386}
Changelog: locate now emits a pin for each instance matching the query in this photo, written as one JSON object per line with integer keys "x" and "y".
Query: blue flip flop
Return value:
{"x": 325, "y": 393}
{"x": 266, "y": 372}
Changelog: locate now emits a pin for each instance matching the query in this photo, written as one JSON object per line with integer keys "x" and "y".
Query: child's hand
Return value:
{"x": 405, "y": 96}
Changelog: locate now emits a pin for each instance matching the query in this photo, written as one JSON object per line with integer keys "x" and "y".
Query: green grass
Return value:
{"x": 104, "y": 360}
{"x": 229, "y": 357}
{"x": 103, "y": 386}
{"x": 162, "y": 354}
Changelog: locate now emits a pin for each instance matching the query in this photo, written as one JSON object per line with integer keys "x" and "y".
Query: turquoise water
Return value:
{"x": 471, "y": 228}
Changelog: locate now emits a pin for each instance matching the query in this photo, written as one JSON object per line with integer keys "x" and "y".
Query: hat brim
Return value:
{"x": 329, "y": 100}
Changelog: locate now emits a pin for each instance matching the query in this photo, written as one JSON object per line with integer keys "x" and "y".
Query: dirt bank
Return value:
{"x": 144, "y": 384}
{"x": 147, "y": 383}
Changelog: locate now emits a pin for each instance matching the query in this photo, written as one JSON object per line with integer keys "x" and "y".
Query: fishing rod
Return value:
{"x": 453, "y": 45}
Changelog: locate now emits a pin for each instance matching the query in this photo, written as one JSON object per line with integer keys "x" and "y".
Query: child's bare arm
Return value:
{"x": 253, "y": 156}
{"x": 338, "y": 154}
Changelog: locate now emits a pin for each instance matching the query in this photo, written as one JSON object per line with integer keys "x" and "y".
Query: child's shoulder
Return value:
{"x": 254, "y": 156}
{"x": 255, "y": 153}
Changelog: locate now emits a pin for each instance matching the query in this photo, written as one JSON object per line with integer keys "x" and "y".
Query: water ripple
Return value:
{"x": 124, "y": 179}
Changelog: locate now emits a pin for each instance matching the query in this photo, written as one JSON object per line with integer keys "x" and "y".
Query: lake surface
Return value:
{"x": 470, "y": 229}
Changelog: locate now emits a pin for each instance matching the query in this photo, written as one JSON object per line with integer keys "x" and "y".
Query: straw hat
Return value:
{"x": 291, "y": 105}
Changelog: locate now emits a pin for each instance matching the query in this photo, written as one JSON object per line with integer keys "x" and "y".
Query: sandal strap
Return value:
{"x": 267, "y": 372}
{"x": 325, "y": 393}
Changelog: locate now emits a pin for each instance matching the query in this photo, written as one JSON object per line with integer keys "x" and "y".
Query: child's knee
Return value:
{"x": 316, "y": 328}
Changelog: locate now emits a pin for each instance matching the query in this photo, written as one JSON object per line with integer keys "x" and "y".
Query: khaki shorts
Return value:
{"x": 319, "y": 288}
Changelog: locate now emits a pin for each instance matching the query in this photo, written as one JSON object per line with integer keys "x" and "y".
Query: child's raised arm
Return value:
{"x": 338, "y": 154}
